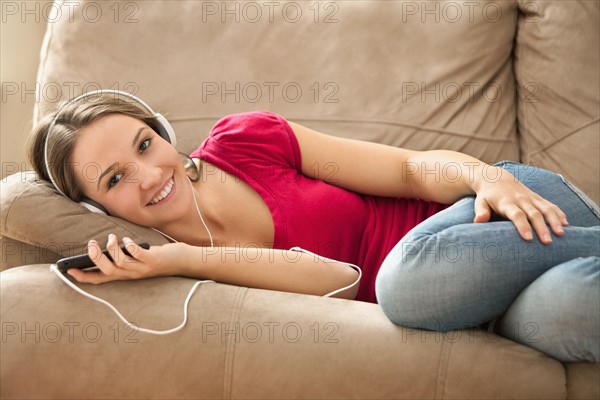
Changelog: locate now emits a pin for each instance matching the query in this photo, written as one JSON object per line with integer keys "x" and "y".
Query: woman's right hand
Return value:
{"x": 155, "y": 261}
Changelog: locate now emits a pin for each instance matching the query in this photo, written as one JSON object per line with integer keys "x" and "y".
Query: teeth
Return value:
{"x": 164, "y": 193}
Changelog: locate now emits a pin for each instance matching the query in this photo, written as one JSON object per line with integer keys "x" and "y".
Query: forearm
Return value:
{"x": 282, "y": 270}
{"x": 446, "y": 176}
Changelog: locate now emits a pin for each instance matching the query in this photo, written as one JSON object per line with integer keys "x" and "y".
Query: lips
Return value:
{"x": 164, "y": 193}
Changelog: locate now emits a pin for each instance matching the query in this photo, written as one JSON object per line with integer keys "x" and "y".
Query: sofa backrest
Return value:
{"x": 557, "y": 66}
{"x": 495, "y": 79}
{"x": 421, "y": 75}
{"x": 513, "y": 80}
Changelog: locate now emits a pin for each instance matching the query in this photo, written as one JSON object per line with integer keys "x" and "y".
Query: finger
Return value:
{"x": 133, "y": 248}
{"x": 94, "y": 277}
{"x": 519, "y": 218}
{"x": 555, "y": 217}
{"x": 107, "y": 267}
{"x": 537, "y": 221}
{"x": 94, "y": 251}
{"x": 483, "y": 211}
{"x": 117, "y": 255}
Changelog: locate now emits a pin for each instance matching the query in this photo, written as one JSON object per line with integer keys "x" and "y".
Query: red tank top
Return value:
{"x": 261, "y": 149}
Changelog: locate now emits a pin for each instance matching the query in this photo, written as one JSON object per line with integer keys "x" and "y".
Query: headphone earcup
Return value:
{"x": 190, "y": 167}
{"x": 93, "y": 206}
{"x": 165, "y": 130}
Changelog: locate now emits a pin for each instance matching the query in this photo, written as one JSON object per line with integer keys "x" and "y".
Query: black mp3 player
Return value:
{"x": 83, "y": 261}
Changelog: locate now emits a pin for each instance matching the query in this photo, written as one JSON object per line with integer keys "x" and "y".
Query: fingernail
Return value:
{"x": 565, "y": 222}
{"x": 547, "y": 237}
{"x": 528, "y": 235}
{"x": 559, "y": 229}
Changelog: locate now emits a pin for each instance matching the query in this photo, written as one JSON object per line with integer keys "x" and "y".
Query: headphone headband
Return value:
{"x": 163, "y": 127}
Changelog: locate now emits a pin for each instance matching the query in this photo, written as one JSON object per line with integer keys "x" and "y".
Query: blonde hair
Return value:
{"x": 72, "y": 117}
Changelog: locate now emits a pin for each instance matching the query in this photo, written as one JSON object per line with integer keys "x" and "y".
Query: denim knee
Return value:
{"x": 408, "y": 295}
{"x": 394, "y": 290}
{"x": 559, "y": 313}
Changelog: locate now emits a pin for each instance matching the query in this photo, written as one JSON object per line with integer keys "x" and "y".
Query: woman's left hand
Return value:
{"x": 526, "y": 209}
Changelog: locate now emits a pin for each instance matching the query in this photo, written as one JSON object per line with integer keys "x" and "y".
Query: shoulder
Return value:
{"x": 253, "y": 135}
{"x": 248, "y": 123}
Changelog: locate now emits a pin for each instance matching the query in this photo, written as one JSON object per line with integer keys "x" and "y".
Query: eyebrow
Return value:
{"x": 112, "y": 167}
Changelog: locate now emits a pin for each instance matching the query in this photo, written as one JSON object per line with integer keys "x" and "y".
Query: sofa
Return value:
{"x": 500, "y": 80}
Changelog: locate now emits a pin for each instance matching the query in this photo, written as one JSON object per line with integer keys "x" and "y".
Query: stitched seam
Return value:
{"x": 4, "y": 227}
{"x": 419, "y": 127}
{"x": 589, "y": 203}
{"x": 440, "y": 384}
{"x": 48, "y": 35}
{"x": 565, "y": 136}
{"x": 522, "y": 136}
{"x": 230, "y": 346}
{"x": 371, "y": 121}
{"x": 565, "y": 381}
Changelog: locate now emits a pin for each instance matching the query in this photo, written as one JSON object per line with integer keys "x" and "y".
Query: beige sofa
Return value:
{"x": 499, "y": 80}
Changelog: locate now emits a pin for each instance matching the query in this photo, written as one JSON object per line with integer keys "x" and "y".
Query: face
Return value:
{"x": 135, "y": 174}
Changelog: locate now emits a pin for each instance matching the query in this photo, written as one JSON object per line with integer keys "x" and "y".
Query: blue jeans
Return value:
{"x": 450, "y": 273}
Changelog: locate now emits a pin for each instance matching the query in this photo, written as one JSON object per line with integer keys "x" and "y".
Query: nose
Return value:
{"x": 150, "y": 176}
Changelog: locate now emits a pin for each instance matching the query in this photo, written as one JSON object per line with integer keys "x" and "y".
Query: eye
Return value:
{"x": 114, "y": 180}
{"x": 144, "y": 145}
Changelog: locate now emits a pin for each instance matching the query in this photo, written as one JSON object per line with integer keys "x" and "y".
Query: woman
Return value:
{"x": 266, "y": 185}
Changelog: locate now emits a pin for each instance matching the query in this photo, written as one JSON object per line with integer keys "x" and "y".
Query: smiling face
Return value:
{"x": 121, "y": 163}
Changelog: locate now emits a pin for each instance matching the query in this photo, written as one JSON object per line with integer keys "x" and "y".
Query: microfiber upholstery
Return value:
{"x": 500, "y": 80}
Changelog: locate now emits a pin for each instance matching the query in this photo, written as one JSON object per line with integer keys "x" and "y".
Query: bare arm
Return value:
{"x": 282, "y": 270}
{"x": 438, "y": 175}
{"x": 379, "y": 170}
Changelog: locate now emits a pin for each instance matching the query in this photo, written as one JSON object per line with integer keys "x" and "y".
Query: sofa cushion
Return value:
{"x": 559, "y": 96}
{"x": 15, "y": 253}
{"x": 35, "y": 214}
{"x": 244, "y": 343}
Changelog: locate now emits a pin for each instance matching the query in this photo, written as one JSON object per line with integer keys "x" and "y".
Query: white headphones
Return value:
{"x": 165, "y": 130}
{"x": 161, "y": 125}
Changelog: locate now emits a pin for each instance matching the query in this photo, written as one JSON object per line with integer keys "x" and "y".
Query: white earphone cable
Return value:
{"x": 212, "y": 243}
{"x": 54, "y": 269}
{"x": 356, "y": 267}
